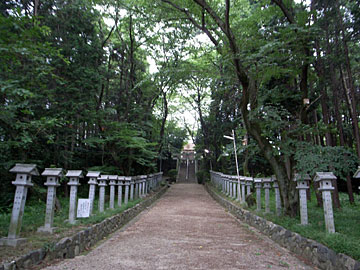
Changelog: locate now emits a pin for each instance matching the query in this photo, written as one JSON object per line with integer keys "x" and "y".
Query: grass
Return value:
{"x": 34, "y": 217}
{"x": 347, "y": 223}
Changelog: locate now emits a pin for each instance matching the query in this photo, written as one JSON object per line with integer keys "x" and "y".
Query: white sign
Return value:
{"x": 83, "y": 210}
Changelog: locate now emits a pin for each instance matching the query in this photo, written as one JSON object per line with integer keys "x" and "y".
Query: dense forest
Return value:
{"x": 78, "y": 90}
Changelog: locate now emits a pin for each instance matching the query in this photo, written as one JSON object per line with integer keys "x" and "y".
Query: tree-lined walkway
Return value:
{"x": 186, "y": 229}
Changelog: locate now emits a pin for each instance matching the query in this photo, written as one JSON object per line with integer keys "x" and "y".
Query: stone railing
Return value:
{"x": 72, "y": 246}
{"x": 129, "y": 188}
{"x": 234, "y": 187}
{"x": 320, "y": 255}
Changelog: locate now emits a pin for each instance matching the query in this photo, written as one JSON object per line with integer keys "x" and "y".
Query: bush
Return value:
{"x": 172, "y": 174}
{"x": 202, "y": 176}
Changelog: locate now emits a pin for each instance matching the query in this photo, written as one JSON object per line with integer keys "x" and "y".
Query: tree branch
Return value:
{"x": 193, "y": 21}
{"x": 288, "y": 14}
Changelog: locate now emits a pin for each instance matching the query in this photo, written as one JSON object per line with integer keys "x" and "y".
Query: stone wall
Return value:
{"x": 69, "y": 247}
{"x": 320, "y": 255}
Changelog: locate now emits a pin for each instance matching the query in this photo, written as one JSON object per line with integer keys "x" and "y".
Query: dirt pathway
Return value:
{"x": 186, "y": 229}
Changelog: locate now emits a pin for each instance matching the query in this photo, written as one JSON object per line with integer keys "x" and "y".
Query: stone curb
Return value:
{"x": 320, "y": 255}
{"x": 72, "y": 246}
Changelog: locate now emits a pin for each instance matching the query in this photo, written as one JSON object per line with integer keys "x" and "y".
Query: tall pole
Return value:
{"x": 237, "y": 167}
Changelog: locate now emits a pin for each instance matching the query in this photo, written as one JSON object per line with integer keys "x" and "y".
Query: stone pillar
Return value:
{"x": 22, "y": 182}
{"x": 160, "y": 177}
{"x": 227, "y": 185}
{"x": 237, "y": 190}
{"x": 187, "y": 167}
{"x": 150, "y": 180}
{"x": 120, "y": 185}
{"x": 74, "y": 176}
{"x": 325, "y": 180}
{"x": 112, "y": 184}
{"x": 92, "y": 182}
{"x": 277, "y": 196}
{"x": 102, "y": 184}
{"x": 127, "y": 181}
{"x": 302, "y": 185}
{"x": 132, "y": 183}
{"x": 242, "y": 183}
{"x": 230, "y": 187}
{"x": 267, "y": 185}
{"x": 136, "y": 187}
{"x": 144, "y": 180}
{"x": 155, "y": 177}
{"x": 140, "y": 186}
{"x": 223, "y": 182}
{"x": 248, "y": 183}
{"x": 234, "y": 183}
{"x": 257, "y": 182}
{"x": 52, "y": 182}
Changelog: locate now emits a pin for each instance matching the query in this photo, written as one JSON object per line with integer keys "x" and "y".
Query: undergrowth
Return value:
{"x": 347, "y": 223}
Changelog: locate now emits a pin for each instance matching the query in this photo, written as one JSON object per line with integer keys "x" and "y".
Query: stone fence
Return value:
{"x": 134, "y": 187}
{"x": 69, "y": 247}
{"x": 234, "y": 187}
{"x": 320, "y": 255}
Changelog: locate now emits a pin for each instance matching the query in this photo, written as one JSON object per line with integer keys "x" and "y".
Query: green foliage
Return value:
{"x": 203, "y": 176}
{"x": 172, "y": 174}
{"x": 314, "y": 158}
{"x": 345, "y": 240}
{"x": 77, "y": 93}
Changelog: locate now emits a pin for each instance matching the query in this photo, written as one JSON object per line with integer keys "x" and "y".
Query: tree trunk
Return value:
{"x": 349, "y": 82}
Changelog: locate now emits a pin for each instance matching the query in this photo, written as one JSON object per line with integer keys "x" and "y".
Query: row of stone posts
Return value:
{"x": 135, "y": 187}
{"x": 226, "y": 183}
{"x": 229, "y": 185}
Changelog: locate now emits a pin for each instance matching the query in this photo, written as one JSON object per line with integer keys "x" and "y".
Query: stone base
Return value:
{"x": 44, "y": 229}
{"x": 13, "y": 242}
{"x": 73, "y": 223}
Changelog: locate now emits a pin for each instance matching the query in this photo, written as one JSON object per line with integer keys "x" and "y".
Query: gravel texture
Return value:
{"x": 186, "y": 229}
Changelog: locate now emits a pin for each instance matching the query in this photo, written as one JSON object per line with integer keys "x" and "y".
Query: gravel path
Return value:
{"x": 186, "y": 229}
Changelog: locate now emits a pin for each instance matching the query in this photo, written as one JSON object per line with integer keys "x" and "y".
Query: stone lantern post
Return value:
{"x": 127, "y": 181}
{"x": 120, "y": 183}
{"x": 52, "y": 182}
{"x": 267, "y": 185}
{"x": 112, "y": 183}
{"x": 74, "y": 176}
{"x": 92, "y": 182}
{"x": 102, "y": 184}
{"x": 248, "y": 183}
{"x": 22, "y": 182}
{"x": 257, "y": 182}
{"x": 325, "y": 180}
{"x": 277, "y": 195}
{"x": 302, "y": 184}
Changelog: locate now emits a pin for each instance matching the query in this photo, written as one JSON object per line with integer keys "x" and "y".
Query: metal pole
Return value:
{"x": 237, "y": 167}
{"x": 187, "y": 166}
